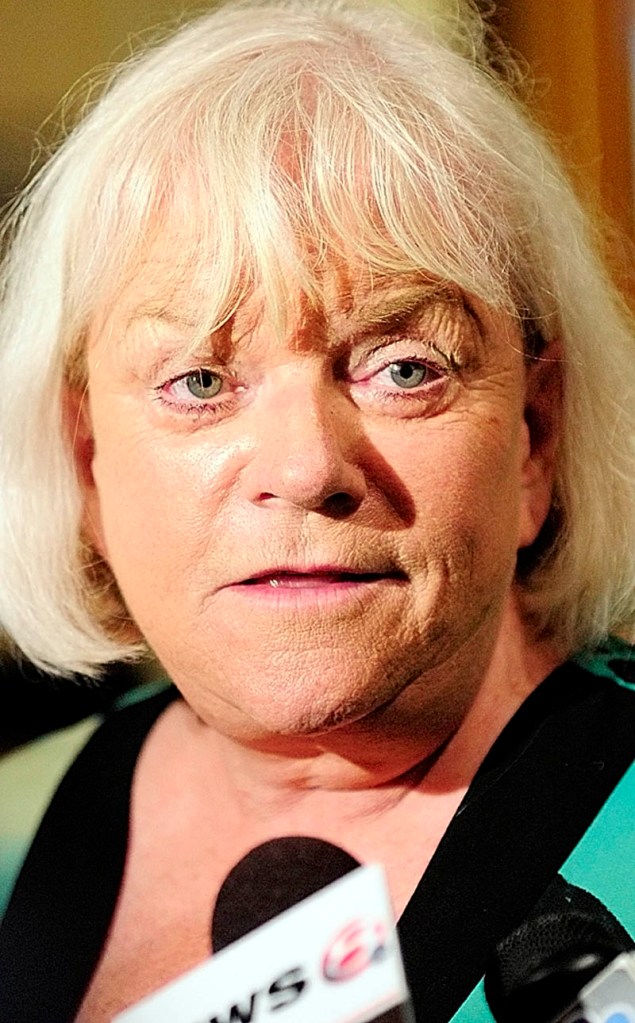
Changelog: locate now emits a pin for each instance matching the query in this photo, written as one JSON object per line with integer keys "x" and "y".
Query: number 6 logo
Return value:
{"x": 357, "y": 946}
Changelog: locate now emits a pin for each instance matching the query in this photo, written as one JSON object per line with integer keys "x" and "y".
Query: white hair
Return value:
{"x": 256, "y": 129}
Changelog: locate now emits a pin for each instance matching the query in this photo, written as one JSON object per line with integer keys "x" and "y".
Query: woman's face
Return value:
{"x": 312, "y": 529}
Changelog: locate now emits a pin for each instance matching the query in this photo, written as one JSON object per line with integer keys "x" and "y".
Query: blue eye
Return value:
{"x": 203, "y": 384}
{"x": 408, "y": 374}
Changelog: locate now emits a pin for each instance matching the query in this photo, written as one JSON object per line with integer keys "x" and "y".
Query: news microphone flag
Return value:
{"x": 609, "y": 997}
{"x": 333, "y": 958}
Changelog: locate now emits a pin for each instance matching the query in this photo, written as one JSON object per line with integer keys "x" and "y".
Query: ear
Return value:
{"x": 543, "y": 419}
{"x": 78, "y": 426}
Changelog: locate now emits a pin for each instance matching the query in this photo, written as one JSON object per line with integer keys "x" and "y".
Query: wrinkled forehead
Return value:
{"x": 207, "y": 256}
{"x": 169, "y": 285}
{"x": 257, "y": 179}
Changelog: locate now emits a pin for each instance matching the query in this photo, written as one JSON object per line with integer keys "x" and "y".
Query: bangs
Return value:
{"x": 254, "y": 182}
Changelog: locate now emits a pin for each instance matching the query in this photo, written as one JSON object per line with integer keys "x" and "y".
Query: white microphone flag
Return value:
{"x": 332, "y": 958}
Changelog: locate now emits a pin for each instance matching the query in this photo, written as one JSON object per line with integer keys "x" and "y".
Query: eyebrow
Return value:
{"x": 401, "y": 305}
{"x": 394, "y": 309}
{"x": 162, "y": 313}
{"x": 199, "y": 338}
{"x": 384, "y": 309}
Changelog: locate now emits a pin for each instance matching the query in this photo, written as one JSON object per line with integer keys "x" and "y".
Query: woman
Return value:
{"x": 316, "y": 389}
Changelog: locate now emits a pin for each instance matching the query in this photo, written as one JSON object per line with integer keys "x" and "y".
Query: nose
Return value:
{"x": 304, "y": 455}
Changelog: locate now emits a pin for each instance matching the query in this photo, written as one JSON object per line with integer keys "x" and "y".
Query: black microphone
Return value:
{"x": 278, "y": 875}
{"x": 544, "y": 970}
{"x": 271, "y": 878}
{"x": 298, "y": 925}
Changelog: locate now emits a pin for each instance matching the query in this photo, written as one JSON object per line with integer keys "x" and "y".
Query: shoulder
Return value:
{"x": 614, "y": 659}
{"x": 592, "y": 696}
{"x": 31, "y": 774}
{"x": 28, "y": 779}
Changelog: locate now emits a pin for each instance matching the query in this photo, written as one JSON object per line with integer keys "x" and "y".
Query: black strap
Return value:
{"x": 54, "y": 928}
{"x": 538, "y": 790}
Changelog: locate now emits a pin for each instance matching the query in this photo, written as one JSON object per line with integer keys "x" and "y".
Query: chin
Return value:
{"x": 312, "y": 708}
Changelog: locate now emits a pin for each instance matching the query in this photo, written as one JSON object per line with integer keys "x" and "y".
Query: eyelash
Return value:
{"x": 443, "y": 367}
{"x": 200, "y": 408}
{"x": 213, "y": 407}
{"x": 440, "y": 373}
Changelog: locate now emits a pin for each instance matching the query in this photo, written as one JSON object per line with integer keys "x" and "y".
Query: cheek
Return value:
{"x": 467, "y": 472}
{"x": 465, "y": 484}
{"x": 158, "y": 510}
{"x": 136, "y": 499}
{"x": 132, "y": 510}
{"x": 145, "y": 538}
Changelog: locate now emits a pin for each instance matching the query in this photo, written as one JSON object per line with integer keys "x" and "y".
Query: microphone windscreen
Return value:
{"x": 539, "y": 969}
{"x": 270, "y": 879}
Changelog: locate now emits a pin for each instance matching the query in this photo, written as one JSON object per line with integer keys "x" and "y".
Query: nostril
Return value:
{"x": 311, "y": 469}
{"x": 337, "y": 505}
{"x": 341, "y": 504}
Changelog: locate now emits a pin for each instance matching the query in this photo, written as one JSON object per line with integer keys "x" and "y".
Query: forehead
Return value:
{"x": 165, "y": 316}
{"x": 202, "y": 299}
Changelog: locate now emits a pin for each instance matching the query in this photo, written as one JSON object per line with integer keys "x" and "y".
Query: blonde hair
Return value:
{"x": 250, "y": 131}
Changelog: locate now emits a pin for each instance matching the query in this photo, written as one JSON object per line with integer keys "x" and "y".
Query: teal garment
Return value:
{"x": 28, "y": 779}
{"x": 602, "y": 660}
{"x": 602, "y": 863}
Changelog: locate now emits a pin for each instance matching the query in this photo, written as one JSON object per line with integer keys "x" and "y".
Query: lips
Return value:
{"x": 298, "y": 580}
{"x": 291, "y": 578}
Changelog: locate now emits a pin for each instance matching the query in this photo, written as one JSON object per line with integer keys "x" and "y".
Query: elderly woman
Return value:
{"x": 314, "y": 387}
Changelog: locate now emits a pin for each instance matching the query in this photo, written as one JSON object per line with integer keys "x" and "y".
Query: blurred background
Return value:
{"x": 580, "y": 59}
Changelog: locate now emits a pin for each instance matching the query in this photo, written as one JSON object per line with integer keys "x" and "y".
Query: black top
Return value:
{"x": 537, "y": 791}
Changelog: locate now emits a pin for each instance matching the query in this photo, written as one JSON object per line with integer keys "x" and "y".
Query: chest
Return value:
{"x": 162, "y": 921}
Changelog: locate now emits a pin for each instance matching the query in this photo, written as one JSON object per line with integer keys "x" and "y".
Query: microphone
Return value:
{"x": 563, "y": 968}
{"x": 270, "y": 879}
{"x": 301, "y": 933}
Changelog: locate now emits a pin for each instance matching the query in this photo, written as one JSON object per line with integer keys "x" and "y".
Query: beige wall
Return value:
{"x": 578, "y": 51}
{"x": 47, "y": 45}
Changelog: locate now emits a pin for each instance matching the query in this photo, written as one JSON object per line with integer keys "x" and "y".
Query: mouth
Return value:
{"x": 316, "y": 589}
{"x": 318, "y": 577}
